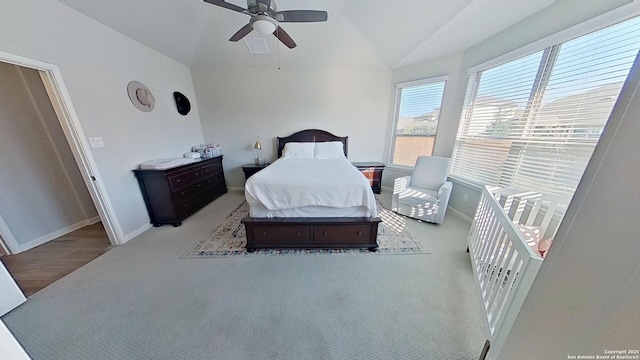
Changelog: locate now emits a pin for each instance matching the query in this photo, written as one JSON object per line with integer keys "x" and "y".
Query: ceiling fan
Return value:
{"x": 265, "y": 18}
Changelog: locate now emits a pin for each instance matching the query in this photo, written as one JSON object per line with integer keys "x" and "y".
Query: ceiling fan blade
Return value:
{"x": 284, "y": 37}
{"x": 226, "y": 5}
{"x": 301, "y": 16}
{"x": 244, "y": 31}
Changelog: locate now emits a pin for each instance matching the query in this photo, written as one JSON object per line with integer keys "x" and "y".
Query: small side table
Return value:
{"x": 250, "y": 169}
{"x": 373, "y": 172}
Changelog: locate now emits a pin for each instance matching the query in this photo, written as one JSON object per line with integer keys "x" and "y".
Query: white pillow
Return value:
{"x": 329, "y": 150}
{"x": 298, "y": 150}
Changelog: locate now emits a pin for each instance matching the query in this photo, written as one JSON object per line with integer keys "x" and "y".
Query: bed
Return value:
{"x": 311, "y": 197}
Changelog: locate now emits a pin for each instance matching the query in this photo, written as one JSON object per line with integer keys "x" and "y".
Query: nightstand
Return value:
{"x": 373, "y": 172}
{"x": 250, "y": 169}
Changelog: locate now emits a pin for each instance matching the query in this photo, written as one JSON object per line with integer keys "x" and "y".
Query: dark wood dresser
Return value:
{"x": 373, "y": 172}
{"x": 173, "y": 194}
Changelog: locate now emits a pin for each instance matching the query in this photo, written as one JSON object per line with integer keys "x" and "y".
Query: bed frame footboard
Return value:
{"x": 327, "y": 232}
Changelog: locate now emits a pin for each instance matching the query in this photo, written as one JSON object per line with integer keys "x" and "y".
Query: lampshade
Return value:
{"x": 258, "y": 145}
{"x": 264, "y": 26}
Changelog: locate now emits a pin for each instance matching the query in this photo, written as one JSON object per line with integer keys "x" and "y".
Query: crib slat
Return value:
{"x": 503, "y": 264}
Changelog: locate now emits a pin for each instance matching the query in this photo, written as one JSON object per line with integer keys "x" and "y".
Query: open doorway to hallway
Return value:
{"x": 49, "y": 223}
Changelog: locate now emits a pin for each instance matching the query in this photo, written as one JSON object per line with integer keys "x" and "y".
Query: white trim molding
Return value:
{"x": 61, "y": 100}
{"x": 54, "y": 235}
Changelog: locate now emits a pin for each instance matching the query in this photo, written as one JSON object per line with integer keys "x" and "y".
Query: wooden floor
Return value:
{"x": 37, "y": 268}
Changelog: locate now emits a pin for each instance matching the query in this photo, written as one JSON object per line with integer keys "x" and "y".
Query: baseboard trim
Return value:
{"x": 470, "y": 220}
{"x": 234, "y": 188}
{"x": 56, "y": 234}
{"x": 136, "y": 232}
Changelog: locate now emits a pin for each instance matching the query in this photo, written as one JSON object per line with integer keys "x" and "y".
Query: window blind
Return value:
{"x": 416, "y": 119}
{"x": 533, "y": 123}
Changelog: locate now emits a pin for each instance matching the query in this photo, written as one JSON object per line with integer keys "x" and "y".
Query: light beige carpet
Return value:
{"x": 229, "y": 239}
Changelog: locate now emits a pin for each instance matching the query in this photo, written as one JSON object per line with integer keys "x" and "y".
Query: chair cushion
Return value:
{"x": 415, "y": 197}
{"x": 430, "y": 172}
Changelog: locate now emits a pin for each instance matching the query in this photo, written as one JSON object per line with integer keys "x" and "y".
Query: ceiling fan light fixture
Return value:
{"x": 263, "y": 24}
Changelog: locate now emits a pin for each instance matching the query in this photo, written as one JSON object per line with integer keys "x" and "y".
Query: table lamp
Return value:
{"x": 258, "y": 147}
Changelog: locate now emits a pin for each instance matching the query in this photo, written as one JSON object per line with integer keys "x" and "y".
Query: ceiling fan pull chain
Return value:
{"x": 278, "y": 46}
{"x": 253, "y": 54}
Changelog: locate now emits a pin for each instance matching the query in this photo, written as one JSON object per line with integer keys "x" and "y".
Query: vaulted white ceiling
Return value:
{"x": 358, "y": 33}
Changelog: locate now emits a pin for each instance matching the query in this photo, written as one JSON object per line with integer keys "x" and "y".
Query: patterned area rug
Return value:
{"x": 229, "y": 239}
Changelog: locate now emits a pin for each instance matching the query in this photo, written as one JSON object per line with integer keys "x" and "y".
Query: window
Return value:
{"x": 416, "y": 119}
{"x": 533, "y": 123}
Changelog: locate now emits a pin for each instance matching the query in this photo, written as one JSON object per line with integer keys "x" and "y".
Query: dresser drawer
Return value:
{"x": 189, "y": 205}
{"x": 289, "y": 234}
{"x": 185, "y": 179}
{"x": 338, "y": 234}
{"x": 186, "y": 192}
{"x": 211, "y": 169}
{"x": 211, "y": 182}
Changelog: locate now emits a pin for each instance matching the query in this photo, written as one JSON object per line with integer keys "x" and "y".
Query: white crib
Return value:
{"x": 504, "y": 265}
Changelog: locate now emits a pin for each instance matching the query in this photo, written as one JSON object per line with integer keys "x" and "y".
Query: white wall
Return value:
{"x": 57, "y": 139}
{"x": 42, "y": 190}
{"x": 97, "y": 63}
{"x": 551, "y": 20}
{"x": 585, "y": 298}
{"x": 239, "y": 104}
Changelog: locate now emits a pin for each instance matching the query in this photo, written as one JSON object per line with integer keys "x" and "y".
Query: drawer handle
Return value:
{"x": 199, "y": 185}
{"x": 197, "y": 174}
{"x": 181, "y": 192}
{"x": 178, "y": 180}
{"x": 325, "y": 233}
{"x": 264, "y": 233}
{"x": 359, "y": 233}
{"x": 298, "y": 233}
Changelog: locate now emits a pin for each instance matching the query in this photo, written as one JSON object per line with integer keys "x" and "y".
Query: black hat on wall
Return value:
{"x": 182, "y": 103}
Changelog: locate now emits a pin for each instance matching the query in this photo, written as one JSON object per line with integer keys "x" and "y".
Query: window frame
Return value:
{"x": 550, "y": 47}
{"x": 396, "y": 114}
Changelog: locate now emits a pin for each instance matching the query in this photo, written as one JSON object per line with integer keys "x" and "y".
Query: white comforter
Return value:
{"x": 293, "y": 183}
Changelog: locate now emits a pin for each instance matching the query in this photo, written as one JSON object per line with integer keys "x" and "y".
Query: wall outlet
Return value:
{"x": 465, "y": 197}
{"x": 96, "y": 142}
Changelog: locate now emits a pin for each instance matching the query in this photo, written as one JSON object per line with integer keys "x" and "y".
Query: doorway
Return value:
{"x": 63, "y": 194}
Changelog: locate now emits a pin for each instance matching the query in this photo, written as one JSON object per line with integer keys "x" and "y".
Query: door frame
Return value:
{"x": 70, "y": 123}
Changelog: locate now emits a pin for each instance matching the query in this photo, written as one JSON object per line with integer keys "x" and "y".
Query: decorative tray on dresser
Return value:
{"x": 173, "y": 194}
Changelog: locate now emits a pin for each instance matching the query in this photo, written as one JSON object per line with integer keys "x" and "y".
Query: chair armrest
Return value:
{"x": 401, "y": 183}
{"x": 445, "y": 190}
{"x": 444, "y": 193}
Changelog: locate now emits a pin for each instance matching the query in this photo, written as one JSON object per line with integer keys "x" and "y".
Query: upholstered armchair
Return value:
{"x": 425, "y": 194}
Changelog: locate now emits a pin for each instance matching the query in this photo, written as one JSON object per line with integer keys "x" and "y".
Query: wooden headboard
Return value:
{"x": 311, "y": 135}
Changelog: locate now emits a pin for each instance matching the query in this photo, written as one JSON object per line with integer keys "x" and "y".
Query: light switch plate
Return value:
{"x": 96, "y": 142}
